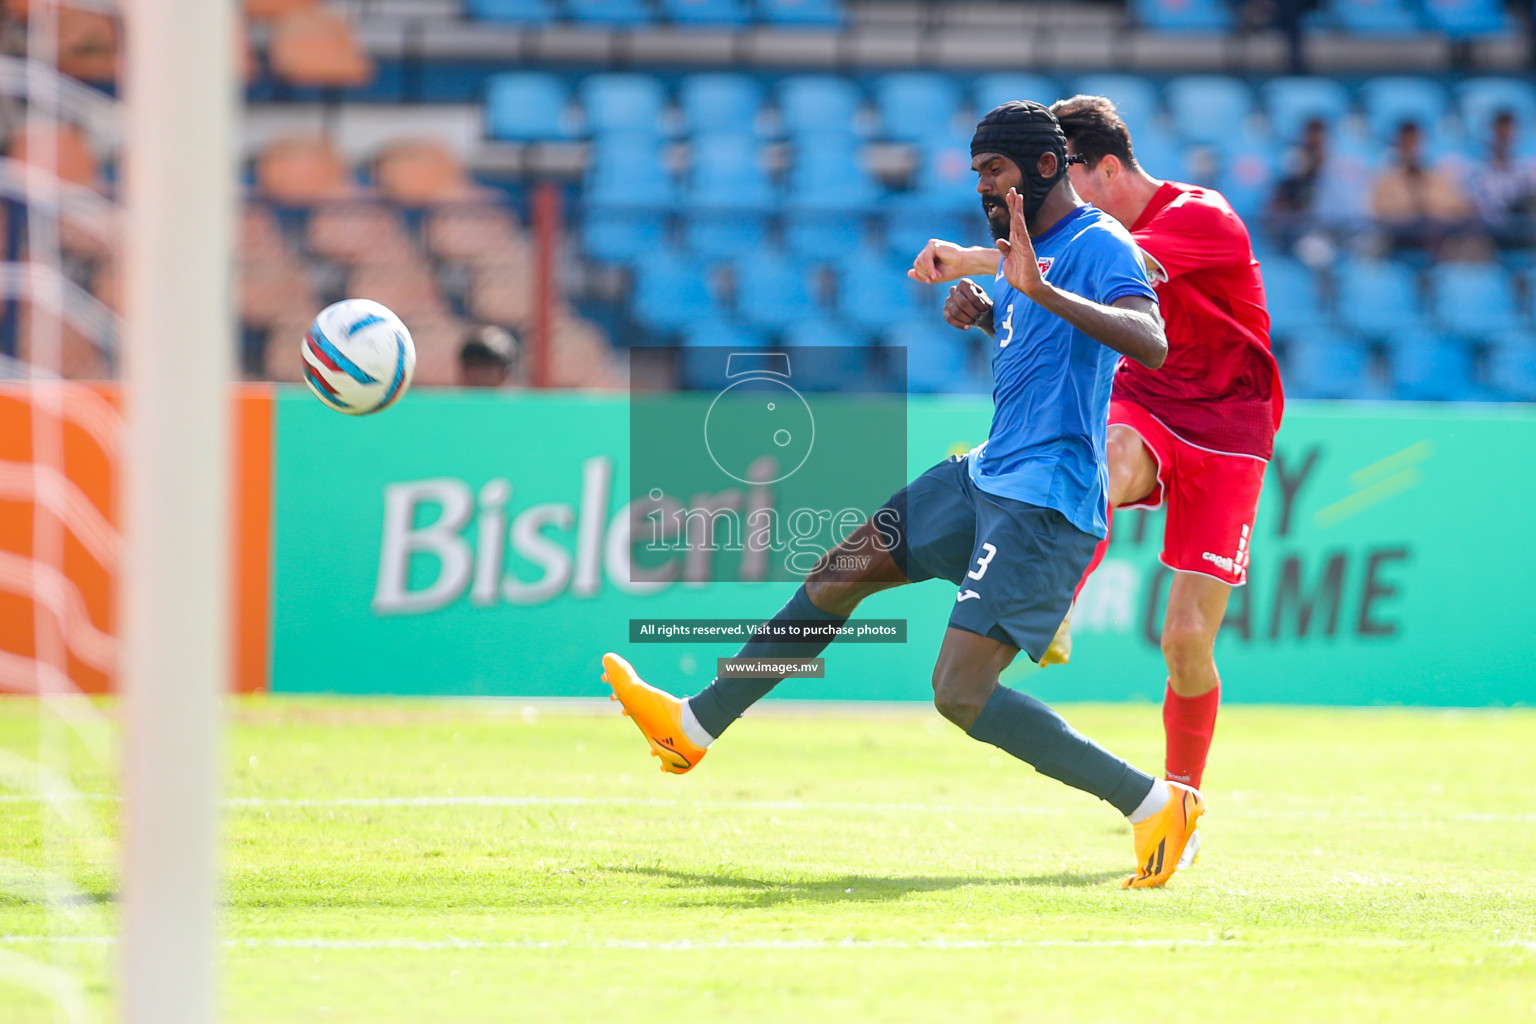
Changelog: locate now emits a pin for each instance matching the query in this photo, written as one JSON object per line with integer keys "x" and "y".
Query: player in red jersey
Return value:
{"x": 1196, "y": 434}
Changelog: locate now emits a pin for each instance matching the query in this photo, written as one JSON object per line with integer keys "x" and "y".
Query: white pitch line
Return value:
{"x": 774, "y": 805}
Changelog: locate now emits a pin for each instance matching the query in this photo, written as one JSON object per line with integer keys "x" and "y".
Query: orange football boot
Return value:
{"x": 1160, "y": 839}
{"x": 658, "y": 715}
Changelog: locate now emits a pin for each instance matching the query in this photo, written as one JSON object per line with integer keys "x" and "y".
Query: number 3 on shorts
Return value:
{"x": 982, "y": 562}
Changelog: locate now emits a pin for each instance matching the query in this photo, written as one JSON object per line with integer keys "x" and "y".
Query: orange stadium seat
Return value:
{"x": 358, "y": 233}
{"x": 316, "y": 46}
{"x": 88, "y": 45}
{"x": 502, "y": 293}
{"x": 266, "y": 10}
{"x": 478, "y": 233}
{"x": 437, "y": 339}
{"x": 77, "y": 163}
{"x": 280, "y": 357}
{"x": 410, "y": 289}
{"x": 272, "y": 291}
{"x": 302, "y": 171}
{"x": 422, "y": 173}
{"x": 80, "y": 358}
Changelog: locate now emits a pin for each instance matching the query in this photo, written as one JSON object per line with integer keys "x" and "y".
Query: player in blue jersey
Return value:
{"x": 1014, "y": 522}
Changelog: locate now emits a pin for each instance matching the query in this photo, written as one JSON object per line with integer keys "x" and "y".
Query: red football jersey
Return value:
{"x": 1220, "y": 386}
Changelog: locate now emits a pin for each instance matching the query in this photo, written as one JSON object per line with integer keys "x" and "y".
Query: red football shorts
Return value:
{"x": 1212, "y": 498}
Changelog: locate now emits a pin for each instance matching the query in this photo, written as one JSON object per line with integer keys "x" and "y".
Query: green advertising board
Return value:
{"x": 479, "y": 544}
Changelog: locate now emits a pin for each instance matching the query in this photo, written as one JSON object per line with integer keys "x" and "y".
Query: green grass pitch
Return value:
{"x": 410, "y": 861}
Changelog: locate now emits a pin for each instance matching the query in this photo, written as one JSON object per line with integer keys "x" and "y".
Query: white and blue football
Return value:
{"x": 358, "y": 357}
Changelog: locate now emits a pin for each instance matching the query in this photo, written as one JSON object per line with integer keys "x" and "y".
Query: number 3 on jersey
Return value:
{"x": 982, "y": 562}
{"x": 1004, "y": 338}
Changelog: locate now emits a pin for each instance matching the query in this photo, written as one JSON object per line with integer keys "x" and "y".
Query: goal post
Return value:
{"x": 179, "y": 150}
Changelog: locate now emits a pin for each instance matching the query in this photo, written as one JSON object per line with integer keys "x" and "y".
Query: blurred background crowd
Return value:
{"x": 537, "y": 185}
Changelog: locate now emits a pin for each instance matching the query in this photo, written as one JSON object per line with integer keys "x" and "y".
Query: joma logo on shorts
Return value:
{"x": 1220, "y": 561}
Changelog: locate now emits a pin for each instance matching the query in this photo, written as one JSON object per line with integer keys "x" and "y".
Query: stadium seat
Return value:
{"x": 1159, "y": 151}
{"x": 1325, "y": 364}
{"x": 801, "y": 13}
{"x": 827, "y": 173}
{"x": 409, "y": 288}
{"x": 720, "y": 102}
{"x": 1247, "y": 176}
{"x": 1512, "y": 365}
{"x": 1291, "y": 102}
{"x": 874, "y": 292}
{"x": 255, "y": 10}
{"x": 1183, "y": 15}
{"x": 623, "y": 103}
{"x": 773, "y": 291}
{"x": 994, "y": 90}
{"x": 1427, "y": 367}
{"x": 1467, "y": 19}
{"x": 617, "y": 235}
{"x": 724, "y": 234}
{"x": 317, "y": 47}
{"x": 1134, "y": 96}
{"x": 527, "y": 106}
{"x": 826, "y": 357}
{"x": 67, "y": 152}
{"x": 914, "y": 106}
{"x": 628, "y": 172}
{"x": 706, "y": 370}
{"x": 352, "y": 233}
{"x": 1474, "y": 299}
{"x": 1378, "y": 298}
{"x": 87, "y": 45}
{"x": 466, "y": 233}
{"x": 908, "y": 230}
{"x": 822, "y": 105}
{"x": 1480, "y": 99}
{"x": 816, "y": 234}
{"x": 421, "y": 172}
{"x": 1392, "y": 99}
{"x": 524, "y": 12}
{"x": 1373, "y": 17}
{"x": 671, "y": 292}
{"x": 728, "y": 174}
{"x": 1294, "y": 299}
{"x": 609, "y": 12}
{"x": 502, "y": 293}
{"x": 300, "y": 172}
{"x": 705, "y": 13}
{"x": 1208, "y": 109}
{"x": 945, "y": 181}
{"x": 937, "y": 356}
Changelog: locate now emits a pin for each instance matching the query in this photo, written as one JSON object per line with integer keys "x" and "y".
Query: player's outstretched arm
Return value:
{"x": 1131, "y": 326}
{"x": 942, "y": 261}
{"x": 968, "y": 305}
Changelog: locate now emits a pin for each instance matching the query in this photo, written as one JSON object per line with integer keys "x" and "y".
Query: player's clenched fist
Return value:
{"x": 968, "y": 306}
{"x": 939, "y": 261}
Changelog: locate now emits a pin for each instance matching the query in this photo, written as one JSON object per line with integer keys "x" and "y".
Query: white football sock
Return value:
{"x": 695, "y": 732}
{"x": 1156, "y": 799}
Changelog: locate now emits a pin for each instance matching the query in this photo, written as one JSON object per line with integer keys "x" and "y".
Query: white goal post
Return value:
{"x": 179, "y": 148}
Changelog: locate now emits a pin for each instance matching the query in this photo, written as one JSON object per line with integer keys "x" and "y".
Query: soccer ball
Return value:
{"x": 358, "y": 356}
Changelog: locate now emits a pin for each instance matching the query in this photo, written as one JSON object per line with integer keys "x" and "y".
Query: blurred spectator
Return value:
{"x": 1321, "y": 194}
{"x": 1504, "y": 187}
{"x": 487, "y": 357}
{"x": 1422, "y": 207}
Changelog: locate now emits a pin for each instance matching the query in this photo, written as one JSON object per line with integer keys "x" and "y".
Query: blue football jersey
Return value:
{"x": 1052, "y": 381}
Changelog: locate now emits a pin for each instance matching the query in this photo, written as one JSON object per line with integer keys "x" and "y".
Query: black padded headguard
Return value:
{"x": 1022, "y": 130}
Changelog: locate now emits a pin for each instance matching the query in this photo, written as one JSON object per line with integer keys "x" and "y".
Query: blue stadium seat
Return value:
{"x": 990, "y": 91}
{"x": 1480, "y": 99}
{"x": 908, "y": 230}
{"x": 524, "y": 12}
{"x": 609, "y": 12}
{"x": 1474, "y": 299}
{"x": 773, "y": 291}
{"x": 627, "y": 171}
{"x": 817, "y": 234}
{"x": 527, "y": 106}
{"x": 874, "y": 292}
{"x": 1326, "y": 364}
{"x": 1247, "y": 176}
{"x": 1374, "y": 17}
{"x": 1427, "y": 367}
{"x": 938, "y": 356}
{"x": 671, "y": 292}
{"x": 1209, "y": 109}
{"x": 1467, "y": 19}
{"x": 827, "y": 173}
{"x": 706, "y": 370}
{"x": 1512, "y": 365}
{"x": 1183, "y": 15}
{"x": 719, "y": 235}
{"x": 818, "y": 105}
{"x": 1294, "y": 299}
{"x": 619, "y": 235}
{"x": 825, "y": 356}
{"x": 624, "y": 103}
{"x": 916, "y": 105}
{"x": 720, "y": 102}
{"x": 1134, "y": 96}
{"x": 706, "y": 12}
{"x": 801, "y": 13}
{"x": 1158, "y": 151}
{"x": 1292, "y": 101}
{"x": 1378, "y": 298}
{"x": 1392, "y": 99}
{"x": 728, "y": 174}
{"x": 944, "y": 179}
